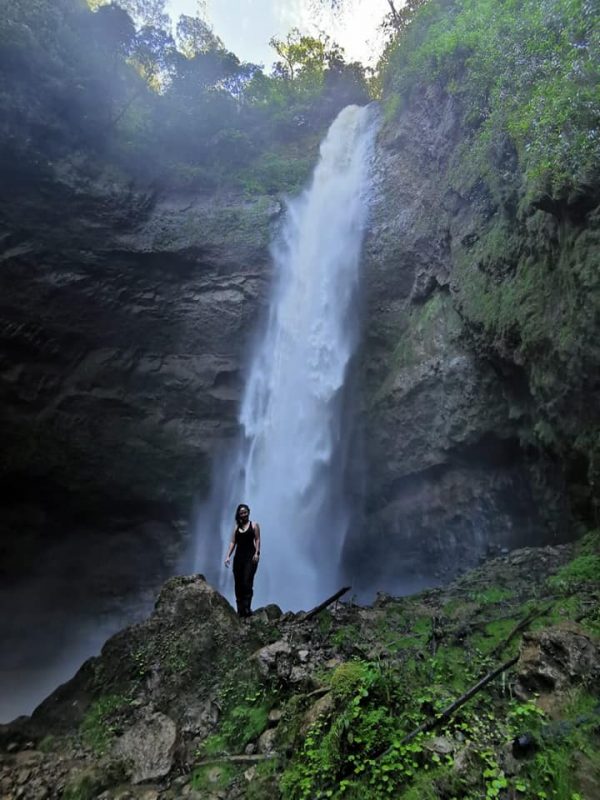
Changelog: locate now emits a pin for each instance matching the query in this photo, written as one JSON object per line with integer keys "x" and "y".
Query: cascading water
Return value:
{"x": 292, "y": 460}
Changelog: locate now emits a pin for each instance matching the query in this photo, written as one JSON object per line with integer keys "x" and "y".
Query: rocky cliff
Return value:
{"x": 481, "y": 347}
{"x": 481, "y": 416}
{"x": 125, "y": 318}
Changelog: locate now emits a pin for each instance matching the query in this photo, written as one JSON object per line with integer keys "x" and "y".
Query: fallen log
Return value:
{"x": 534, "y": 614}
{"x": 235, "y": 759}
{"x": 434, "y": 722}
{"x": 320, "y": 690}
{"x": 325, "y": 603}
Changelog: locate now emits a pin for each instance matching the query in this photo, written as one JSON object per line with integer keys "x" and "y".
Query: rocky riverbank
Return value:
{"x": 195, "y": 703}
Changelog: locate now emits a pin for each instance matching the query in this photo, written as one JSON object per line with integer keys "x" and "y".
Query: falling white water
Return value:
{"x": 291, "y": 463}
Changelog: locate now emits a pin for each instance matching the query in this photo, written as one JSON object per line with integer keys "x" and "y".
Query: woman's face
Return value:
{"x": 244, "y": 514}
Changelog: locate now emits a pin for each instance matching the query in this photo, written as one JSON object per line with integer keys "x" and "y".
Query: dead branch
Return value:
{"x": 525, "y": 622}
{"x": 320, "y": 690}
{"x": 235, "y": 759}
{"x": 325, "y": 603}
{"x": 447, "y": 712}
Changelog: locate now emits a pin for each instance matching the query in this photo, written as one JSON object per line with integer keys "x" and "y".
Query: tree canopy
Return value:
{"x": 169, "y": 101}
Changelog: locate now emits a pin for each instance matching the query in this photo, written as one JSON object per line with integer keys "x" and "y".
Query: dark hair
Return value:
{"x": 238, "y": 509}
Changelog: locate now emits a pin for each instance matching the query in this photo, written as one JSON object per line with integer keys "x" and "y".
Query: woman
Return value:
{"x": 246, "y": 543}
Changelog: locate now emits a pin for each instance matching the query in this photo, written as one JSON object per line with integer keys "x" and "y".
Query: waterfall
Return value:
{"x": 291, "y": 464}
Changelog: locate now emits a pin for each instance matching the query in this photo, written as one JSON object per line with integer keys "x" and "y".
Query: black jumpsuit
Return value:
{"x": 243, "y": 569}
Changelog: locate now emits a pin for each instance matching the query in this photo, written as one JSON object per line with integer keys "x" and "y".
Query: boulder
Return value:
{"x": 319, "y": 708}
{"x": 266, "y": 741}
{"x": 553, "y": 659}
{"x": 149, "y": 747}
{"x": 275, "y": 658}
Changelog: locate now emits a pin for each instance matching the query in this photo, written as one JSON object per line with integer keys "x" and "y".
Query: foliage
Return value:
{"x": 358, "y": 747}
{"x": 81, "y": 787}
{"x": 303, "y": 58}
{"x": 145, "y": 12}
{"x": 275, "y": 172}
{"x": 99, "y": 724}
{"x": 213, "y": 778}
{"x": 581, "y": 571}
{"x": 590, "y": 543}
{"x": 521, "y": 81}
{"x": 194, "y": 36}
{"x": 185, "y": 110}
{"x": 47, "y": 744}
{"x": 553, "y": 772}
{"x": 495, "y": 594}
{"x": 245, "y": 707}
{"x": 523, "y": 67}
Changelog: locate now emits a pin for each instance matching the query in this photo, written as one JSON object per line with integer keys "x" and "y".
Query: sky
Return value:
{"x": 245, "y": 26}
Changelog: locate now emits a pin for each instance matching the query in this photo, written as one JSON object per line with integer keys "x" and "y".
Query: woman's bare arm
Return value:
{"x": 256, "y": 541}
{"x": 231, "y": 548}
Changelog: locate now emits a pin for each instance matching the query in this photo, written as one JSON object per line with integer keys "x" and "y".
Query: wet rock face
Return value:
{"x": 448, "y": 478}
{"x": 125, "y": 319}
{"x": 122, "y": 339}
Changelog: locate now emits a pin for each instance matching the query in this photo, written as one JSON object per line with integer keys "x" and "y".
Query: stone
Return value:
{"x": 440, "y": 744}
{"x": 149, "y": 746}
{"x": 266, "y": 741}
{"x": 275, "y": 658}
{"x": 200, "y": 718}
{"x": 273, "y": 611}
{"x": 250, "y": 773}
{"x": 319, "y": 708}
{"x": 214, "y": 774}
{"x": 299, "y": 673}
{"x": 553, "y": 659}
{"x": 275, "y": 715}
{"x": 23, "y": 776}
{"x": 523, "y": 745}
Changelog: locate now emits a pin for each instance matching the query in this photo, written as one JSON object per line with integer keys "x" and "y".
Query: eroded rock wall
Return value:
{"x": 125, "y": 318}
{"x": 457, "y": 466}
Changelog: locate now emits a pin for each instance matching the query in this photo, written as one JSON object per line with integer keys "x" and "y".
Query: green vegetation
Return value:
{"x": 357, "y": 748}
{"x": 213, "y": 778}
{"x": 277, "y": 171}
{"x": 520, "y": 67}
{"x": 494, "y": 594}
{"x": 178, "y": 110}
{"x": 346, "y": 636}
{"x": 99, "y": 726}
{"x": 245, "y": 707}
{"x": 522, "y": 81}
{"x": 47, "y": 744}
{"x": 82, "y": 787}
{"x": 584, "y": 570}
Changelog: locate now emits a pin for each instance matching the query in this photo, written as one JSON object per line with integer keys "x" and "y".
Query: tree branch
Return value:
{"x": 326, "y": 603}
{"x": 447, "y": 712}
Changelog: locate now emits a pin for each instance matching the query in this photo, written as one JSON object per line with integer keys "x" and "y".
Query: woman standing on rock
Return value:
{"x": 246, "y": 543}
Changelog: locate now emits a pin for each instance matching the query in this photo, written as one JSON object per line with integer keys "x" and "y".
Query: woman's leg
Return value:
{"x": 248, "y": 587}
{"x": 239, "y": 577}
